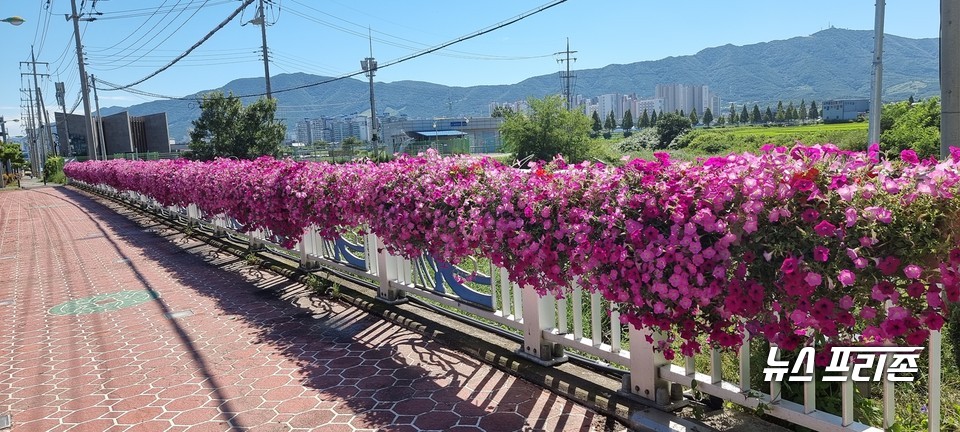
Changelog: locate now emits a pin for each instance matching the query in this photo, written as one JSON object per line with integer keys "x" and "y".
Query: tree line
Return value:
{"x": 782, "y": 114}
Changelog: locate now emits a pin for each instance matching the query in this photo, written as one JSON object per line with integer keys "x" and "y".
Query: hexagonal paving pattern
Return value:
{"x": 243, "y": 358}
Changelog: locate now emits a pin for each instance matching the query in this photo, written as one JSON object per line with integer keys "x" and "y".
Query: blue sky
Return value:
{"x": 329, "y": 38}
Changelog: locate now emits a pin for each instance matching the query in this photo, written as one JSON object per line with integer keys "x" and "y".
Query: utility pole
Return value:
{"x": 41, "y": 109}
{"x": 84, "y": 90}
{"x": 369, "y": 66}
{"x": 64, "y": 136}
{"x": 876, "y": 104}
{"x": 31, "y": 132}
{"x": 100, "y": 139}
{"x": 266, "y": 52}
{"x": 949, "y": 80}
{"x": 566, "y": 77}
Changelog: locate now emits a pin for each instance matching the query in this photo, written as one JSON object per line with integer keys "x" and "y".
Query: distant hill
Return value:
{"x": 833, "y": 63}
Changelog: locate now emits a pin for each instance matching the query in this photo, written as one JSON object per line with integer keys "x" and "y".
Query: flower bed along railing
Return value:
{"x": 810, "y": 246}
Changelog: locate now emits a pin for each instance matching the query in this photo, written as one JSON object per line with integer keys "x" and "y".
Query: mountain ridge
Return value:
{"x": 830, "y": 64}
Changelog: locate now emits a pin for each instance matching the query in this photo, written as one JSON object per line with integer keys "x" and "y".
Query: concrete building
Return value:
{"x": 839, "y": 110}
{"x": 647, "y": 104}
{"x": 477, "y": 135}
{"x": 608, "y": 103}
{"x": 122, "y": 133}
{"x": 686, "y": 97}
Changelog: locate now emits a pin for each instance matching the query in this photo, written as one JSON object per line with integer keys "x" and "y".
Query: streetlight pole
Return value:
{"x": 876, "y": 104}
{"x": 266, "y": 53}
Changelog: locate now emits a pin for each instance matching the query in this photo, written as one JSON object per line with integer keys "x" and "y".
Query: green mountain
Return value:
{"x": 833, "y": 63}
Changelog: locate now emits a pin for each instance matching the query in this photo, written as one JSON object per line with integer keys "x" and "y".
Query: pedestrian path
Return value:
{"x": 108, "y": 325}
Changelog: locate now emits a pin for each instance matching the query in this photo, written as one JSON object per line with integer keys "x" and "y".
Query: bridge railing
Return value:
{"x": 581, "y": 322}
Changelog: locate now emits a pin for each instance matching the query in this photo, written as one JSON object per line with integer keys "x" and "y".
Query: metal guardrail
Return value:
{"x": 546, "y": 330}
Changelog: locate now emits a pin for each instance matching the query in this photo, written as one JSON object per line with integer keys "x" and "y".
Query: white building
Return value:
{"x": 686, "y": 97}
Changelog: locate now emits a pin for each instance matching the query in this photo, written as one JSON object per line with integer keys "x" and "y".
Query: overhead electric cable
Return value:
{"x": 426, "y": 51}
{"x": 195, "y": 46}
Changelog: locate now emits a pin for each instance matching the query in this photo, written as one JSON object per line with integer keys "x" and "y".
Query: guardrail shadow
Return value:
{"x": 386, "y": 377}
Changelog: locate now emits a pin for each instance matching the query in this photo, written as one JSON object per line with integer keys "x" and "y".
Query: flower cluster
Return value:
{"x": 793, "y": 245}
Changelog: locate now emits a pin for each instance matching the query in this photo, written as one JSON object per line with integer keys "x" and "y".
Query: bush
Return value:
{"x": 53, "y": 170}
{"x": 915, "y": 127}
{"x": 548, "y": 130}
{"x": 669, "y": 126}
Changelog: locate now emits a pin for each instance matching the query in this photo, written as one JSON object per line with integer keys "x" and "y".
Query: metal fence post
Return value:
{"x": 386, "y": 273}
{"x": 645, "y": 365}
{"x": 539, "y": 315}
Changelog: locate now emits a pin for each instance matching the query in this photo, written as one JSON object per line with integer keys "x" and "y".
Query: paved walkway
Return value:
{"x": 106, "y": 325}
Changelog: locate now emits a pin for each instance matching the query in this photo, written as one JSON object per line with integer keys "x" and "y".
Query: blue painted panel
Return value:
{"x": 342, "y": 249}
{"x": 445, "y": 272}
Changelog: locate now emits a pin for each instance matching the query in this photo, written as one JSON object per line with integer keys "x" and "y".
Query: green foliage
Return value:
{"x": 670, "y": 126}
{"x": 813, "y": 114}
{"x": 501, "y": 111}
{"x": 611, "y": 122}
{"x": 744, "y": 115}
{"x": 733, "y": 119}
{"x": 653, "y": 119}
{"x": 707, "y": 117}
{"x": 644, "y": 120}
{"x": 706, "y": 142}
{"x": 802, "y": 112}
{"x": 627, "y": 122}
{"x": 597, "y": 124}
{"x": 10, "y": 152}
{"x": 548, "y": 130}
{"x": 53, "y": 170}
{"x": 226, "y": 128}
{"x": 768, "y": 116}
{"x": 694, "y": 118}
{"x": 755, "y": 116}
{"x": 911, "y": 126}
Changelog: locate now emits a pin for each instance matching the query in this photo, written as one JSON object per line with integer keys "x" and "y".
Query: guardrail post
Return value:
{"x": 386, "y": 273}
{"x": 539, "y": 315}
{"x": 645, "y": 365}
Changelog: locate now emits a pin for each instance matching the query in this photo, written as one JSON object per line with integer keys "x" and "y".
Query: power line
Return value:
{"x": 421, "y": 53}
{"x": 195, "y": 46}
{"x": 426, "y": 51}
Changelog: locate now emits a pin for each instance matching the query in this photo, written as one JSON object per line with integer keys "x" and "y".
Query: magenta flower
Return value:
{"x": 813, "y": 279}
{"x": 790, "y": 265}
{"x": 821, "y": 254}
{"x": 809, "y": 215}
{"x": 909, "y": 156}
{"x": 846, "y": 277}
{"x": 825, "y": 229}
{"x": 912, "y": 271}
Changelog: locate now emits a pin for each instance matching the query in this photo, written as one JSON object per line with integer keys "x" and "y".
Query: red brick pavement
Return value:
{"x": 246, "y": 359}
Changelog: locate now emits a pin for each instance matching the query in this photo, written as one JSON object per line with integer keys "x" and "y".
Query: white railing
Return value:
{"x": 547, "y": 331}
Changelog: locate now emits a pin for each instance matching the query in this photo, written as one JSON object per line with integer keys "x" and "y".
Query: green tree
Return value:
{"x": 682, "y": 114}
{"x": 653, "y": 118}
{"x": 768, "y": 115}
{"x": 914, "y": 127}
{"x": 11, "y": 154}
{"x": 813, "y": 114}
{"x": 733, "y": 114}
{"x": 611, "y": 122}
{"x": 644, "y": 120}
{"x": 501, "y": 111}
{"x": 721, "y": 121}
{"x": 755, "y": 116}
{"x": 791, "y": 111}
{"x": 910, "y": 100}
{"x": 669, "y": 126}
{"x": 780, "y": 115}
{"x": 546, "y": 131}
{"x": 597, "y": 125}
{"x": 708, "y": 117}
{"x": 226, "y": 128}
{"x": 627, "y": 122}
{"x": 802, "y": 112}
{"x": 744, "y": 115}
{"x": 694, "y": 118}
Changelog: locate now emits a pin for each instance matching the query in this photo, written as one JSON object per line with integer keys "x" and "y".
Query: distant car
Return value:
{"x": 28, "y": 173}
